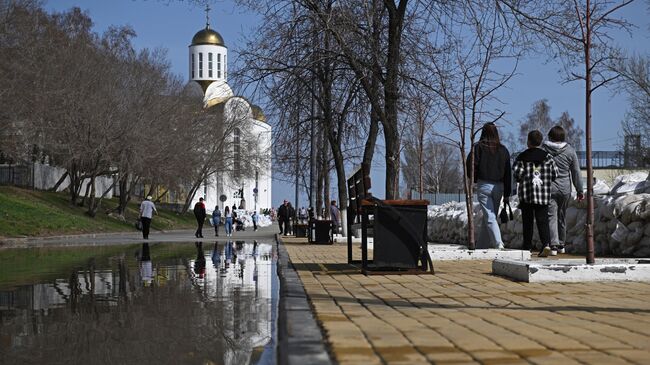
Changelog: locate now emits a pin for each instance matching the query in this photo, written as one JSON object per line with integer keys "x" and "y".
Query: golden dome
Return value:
{"x": 258, "y": 114}
{"x": 207, "y": 36}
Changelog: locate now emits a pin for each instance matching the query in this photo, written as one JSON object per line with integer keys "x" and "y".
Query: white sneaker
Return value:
{"x": 545, "y": 252}
{"x": 553, "y": 252}
{"x": 561, "y": 250}
{"x": 501, "y": 247}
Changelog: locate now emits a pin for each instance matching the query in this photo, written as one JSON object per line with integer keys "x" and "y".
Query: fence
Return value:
{"x": 17, "y": 175}
{"x": 442, "y": 198}
{"x": 43, "y": 177}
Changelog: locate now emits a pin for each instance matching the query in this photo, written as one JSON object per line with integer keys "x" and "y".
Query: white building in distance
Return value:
{"x": 208, "y": 58}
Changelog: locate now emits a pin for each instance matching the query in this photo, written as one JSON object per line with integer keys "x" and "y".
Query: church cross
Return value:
{"x": 207, "y": 15}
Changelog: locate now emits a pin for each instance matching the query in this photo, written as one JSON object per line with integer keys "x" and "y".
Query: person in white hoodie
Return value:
{"x": 568, "y": 167}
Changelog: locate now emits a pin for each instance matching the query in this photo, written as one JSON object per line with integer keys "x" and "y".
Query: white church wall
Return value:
{"x": 218, "y": 185}
{"x": 46, "y": 176}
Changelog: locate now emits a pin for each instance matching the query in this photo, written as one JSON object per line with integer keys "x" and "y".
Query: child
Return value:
{"x": 534, "y": 171}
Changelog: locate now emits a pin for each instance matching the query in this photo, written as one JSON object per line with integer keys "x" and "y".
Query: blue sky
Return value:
{"x": 171, "y": 24}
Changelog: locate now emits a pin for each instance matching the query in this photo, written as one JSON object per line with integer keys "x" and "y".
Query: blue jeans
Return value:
{"x": 489, "y": 198}
{"x": 228, "y": 225}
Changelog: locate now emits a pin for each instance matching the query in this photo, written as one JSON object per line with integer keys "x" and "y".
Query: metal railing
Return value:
{"x": 16, "y": 175}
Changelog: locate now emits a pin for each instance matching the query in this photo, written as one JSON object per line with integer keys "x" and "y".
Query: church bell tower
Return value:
{"x": 208, "y": 56}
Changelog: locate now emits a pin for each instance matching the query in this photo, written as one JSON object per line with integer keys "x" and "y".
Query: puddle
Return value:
{"x": 192, "y": 303}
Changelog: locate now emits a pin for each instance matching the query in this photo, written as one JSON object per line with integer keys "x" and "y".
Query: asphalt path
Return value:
{"x": 265, "y": 234}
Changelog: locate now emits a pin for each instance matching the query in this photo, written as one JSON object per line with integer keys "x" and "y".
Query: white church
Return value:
{"x": 208, "y": 59}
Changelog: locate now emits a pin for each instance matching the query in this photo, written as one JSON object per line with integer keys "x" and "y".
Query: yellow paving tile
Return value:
{"x": 463, "y": 314}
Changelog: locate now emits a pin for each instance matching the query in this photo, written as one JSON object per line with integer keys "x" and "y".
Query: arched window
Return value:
{"x": 200, "y": 65}
{"x": 236, "y": 148}
{"x": 210, "y": 65}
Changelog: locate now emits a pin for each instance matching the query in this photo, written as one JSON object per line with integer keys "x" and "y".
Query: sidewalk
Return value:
{"x": 266, "y": 234}
{"x": 465, "y": 315}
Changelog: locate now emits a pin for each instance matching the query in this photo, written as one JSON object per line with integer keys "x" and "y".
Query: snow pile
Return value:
{"x": 263, "y": 220}
{"x": 621, "y": 220}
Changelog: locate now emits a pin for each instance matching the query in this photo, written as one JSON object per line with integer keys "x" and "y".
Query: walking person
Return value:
{"x": 199, "y": 214}
{"x": 254, "y": 219}
{"x": 147, "y": 210}
{"x": 302, "y": 215}
{"x": 234, "y": 219}
{"x": 535, "y": 172}
{"x": 568, "y": 168}
{"x": 492, "y": 175}
{"x": 216, "y": 220}
{"x": 228, "y": 221}
{"x": 290, "y": 220}
{"x": 335, "y": 215}
{"x": 283, "y": 217}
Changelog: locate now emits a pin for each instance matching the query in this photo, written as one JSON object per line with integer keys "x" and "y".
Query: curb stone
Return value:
{"x": 300, "y": 340}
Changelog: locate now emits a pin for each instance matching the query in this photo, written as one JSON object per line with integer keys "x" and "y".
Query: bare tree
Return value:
{"x": 466, "y": 79}
{"x": 577, "y": 32}
{"x": 635, "y": 72}
{"x": 540, "y": 118}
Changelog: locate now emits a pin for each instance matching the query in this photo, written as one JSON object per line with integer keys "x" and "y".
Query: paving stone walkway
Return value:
{"x": 465, "y": 315}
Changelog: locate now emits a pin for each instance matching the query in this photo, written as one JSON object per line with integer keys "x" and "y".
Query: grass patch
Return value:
{"x": 37, "y": 265}
{"x": 25, "y": 213}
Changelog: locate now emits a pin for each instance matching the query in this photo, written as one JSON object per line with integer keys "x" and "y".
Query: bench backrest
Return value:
{"x": 358, "y": 189}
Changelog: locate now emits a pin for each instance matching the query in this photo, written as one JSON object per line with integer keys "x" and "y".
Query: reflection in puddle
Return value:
{"x": 193, "y": 303}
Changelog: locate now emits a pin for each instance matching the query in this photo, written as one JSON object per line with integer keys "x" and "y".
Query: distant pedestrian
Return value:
{"x": 199, "y": 214}
{"x": 492, "y": 175}
{"x": 568, "y": 168}
{"x": 234, "y": 218}
{"x": 147, "y": 210}
{"x": 302, "y": 215}
{"x": 216, "y": 220}
{"x": 254, "y": 219}
{"x": 335, "y": 216}
{"x": 228, "y": 221}
{"x": 535, "y": 172}
{"x": 283, "y": 218}
{"x": 292, "y": 218}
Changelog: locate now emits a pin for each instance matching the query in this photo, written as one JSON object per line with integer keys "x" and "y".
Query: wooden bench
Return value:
{"x": 398, "y": 227}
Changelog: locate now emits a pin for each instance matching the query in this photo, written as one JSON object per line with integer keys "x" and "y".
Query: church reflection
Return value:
{"x": 223, "y": 311}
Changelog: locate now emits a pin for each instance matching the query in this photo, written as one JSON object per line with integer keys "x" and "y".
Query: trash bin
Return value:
{"x": 300, "y": 230}
{"x": 320, "y": 231}
{"x": 399, "y": 235}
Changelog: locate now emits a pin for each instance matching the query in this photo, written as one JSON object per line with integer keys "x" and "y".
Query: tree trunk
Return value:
{"x": 124, "y": 194}
{"x": 58, "y": 183}
{"x": 391, "y": 95}
{"x": 92, "y": 210}
{"x": 152, "y": 188}
{"x": 190, "y": 196}
{"x": 91, "y": 203}
{"x": 161, "y": 195}
{"x": 322, "y": 173}
{"x": 468, "y": 180}
{"x": 326, "y": 188}
{"x": 589, "y": 226}
{"x": 86, "y": 193}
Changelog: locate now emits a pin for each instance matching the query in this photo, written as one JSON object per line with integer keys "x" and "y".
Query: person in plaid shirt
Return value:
{"x": 534, "y": 172}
